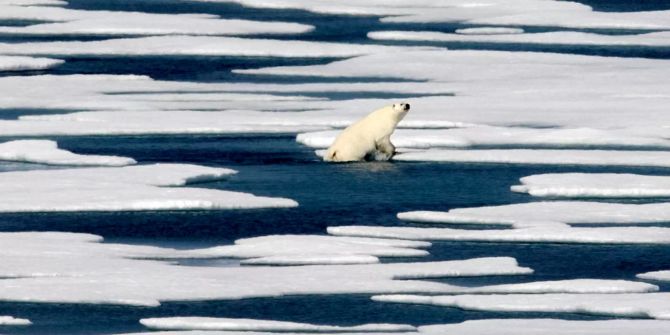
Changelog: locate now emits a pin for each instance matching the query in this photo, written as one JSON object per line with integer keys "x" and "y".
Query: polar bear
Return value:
{"x": 368, "y": 136}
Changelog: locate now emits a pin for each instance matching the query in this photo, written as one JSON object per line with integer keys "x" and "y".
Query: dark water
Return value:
{"x": 329, "y": 195}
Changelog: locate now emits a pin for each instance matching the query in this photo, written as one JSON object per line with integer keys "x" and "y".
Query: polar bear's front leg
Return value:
{"x": 385, "y": 148}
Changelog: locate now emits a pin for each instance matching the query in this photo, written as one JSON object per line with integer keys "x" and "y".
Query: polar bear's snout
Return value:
{"x": 402, "y": 106}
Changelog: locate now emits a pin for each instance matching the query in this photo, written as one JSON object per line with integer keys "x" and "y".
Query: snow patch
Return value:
{"x": 12, "y": 321}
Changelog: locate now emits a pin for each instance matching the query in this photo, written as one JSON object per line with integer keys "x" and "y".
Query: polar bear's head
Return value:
{"x": 400, "y": 110}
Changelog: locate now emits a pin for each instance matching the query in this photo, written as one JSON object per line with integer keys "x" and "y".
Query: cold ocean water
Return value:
{"x": 329, "y": 195}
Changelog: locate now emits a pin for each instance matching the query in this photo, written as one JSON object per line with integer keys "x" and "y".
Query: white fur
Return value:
{"x": 370, "y": 135}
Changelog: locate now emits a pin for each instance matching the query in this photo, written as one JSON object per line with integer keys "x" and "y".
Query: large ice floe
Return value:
{"x": 491, "y": 12}
{"x": 132, "y": 188}
{"x": 18, "y": 63}
{"x": 640, "y": 305}
{"x": 594, "y": 185}
{"x": 228, "y": 324}
{"x": 308, "y": 249}
{"x": 64, "y": 21}
{"x": 47, "y": 152}
{"x": 76, "y": 268}
{"x": 6, "y": 320}
{"x": 194, "y": 46}
{"x": 533, "y": 222}
{"x": 656, "y": 39}
{"x": 542, "y": 157}
{"x": 549, "y": 327}
{"x": 476, "y": 136}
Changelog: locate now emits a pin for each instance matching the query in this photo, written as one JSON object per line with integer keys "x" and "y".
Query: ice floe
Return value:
{"x": 542, "y": 157}
{"x": 594, "y": 185}
{"x": 549, "y": 327}
{"x": 64, "y": 21}
{"x": 6, "y": 320}
{"x": 77, "y": 268}
{"x": 18, "y": 63}
{"x": 541, "y": 233}
{"x": 473, "y": 136}
{"x": 492, "y": 12}
{"x": 641, "y": 305}
{"x": 132, "y": 188}
{"x": 655, "y": 275}
{"x": 489, "y": 31}
{"x": 533, "y": 222}
{"x": 513, "y": 88}
{"x": 47, "y": 152}
{"x": 194, "y": 46}
{"x": 228, "y": 324}
{"x": 656, "y": 39}
{"x": 533, "y": 213}
{"x": 308, "y": 249}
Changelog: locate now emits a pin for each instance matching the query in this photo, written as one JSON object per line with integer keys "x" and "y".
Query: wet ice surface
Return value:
{"x": 578, "y": 249}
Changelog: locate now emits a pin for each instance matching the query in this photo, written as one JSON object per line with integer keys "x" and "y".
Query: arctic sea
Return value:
{"x": 329, "y": 195}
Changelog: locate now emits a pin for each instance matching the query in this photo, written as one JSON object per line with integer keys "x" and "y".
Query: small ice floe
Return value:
{"x": 581, "y": 286}
{"x": 133, "y": 188}
{"x": 656, "y": 275}
{"x": 307, "y": 249}
{"x": 228, "y": 324}
{"x": 77, "y": 268}
{"x": 533, "y": 213}
{"x": 640, "y": 305}
{"x": 47, "y": 152}
{"x": 656, "y": 39}
{"x": 195, "y": 46}
{"x": 489, "y": 31}
{"x": 542, "y": 157}
{"x": 19, "y": 63}
{"x": 474, "y": 136}
{"x": 533, "y": 222}
{"x": 6, "y": 320}
{"x": 549, "y": 327}
{"x": 594, "y": 185}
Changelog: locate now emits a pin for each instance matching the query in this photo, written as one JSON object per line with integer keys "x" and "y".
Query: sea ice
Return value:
{"x": 639, "y": 305}
{"x": 132, "y": 188}
{"x": 12, "y": 321}
{"x": 65, "y": 21}
{"x": 594, "y": 185}
{"x": 195, "y": 46}
{"x": 489, "y": 31}
{"x": 228, "y": 324}
{"x": 549, "y": 327}
{"x": 492, "y": 12}
{"x": 307, "y": 249}
{"x": 19, "y": 63}
{"x": 655, "y": 275}
{"x": 47, "y": 152}
{"x": 473, "y": 136}
{"x": 533, "y": 213}
{"x": 76, "y": 268}
{"x": 542, "y": 157}
{"x": 656, "y": 39}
